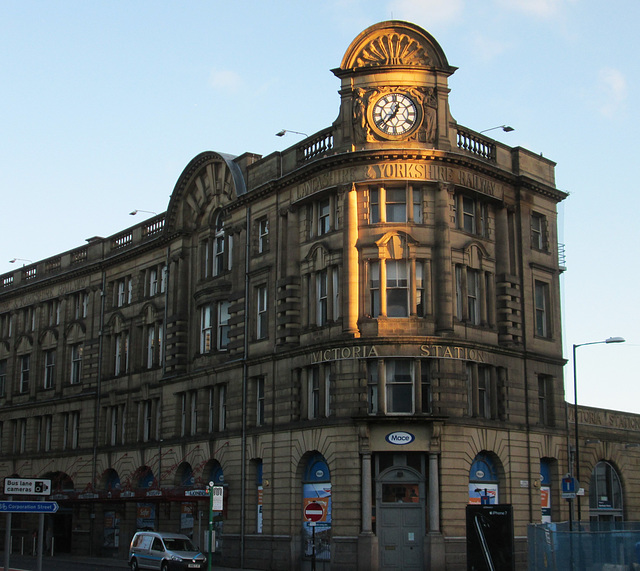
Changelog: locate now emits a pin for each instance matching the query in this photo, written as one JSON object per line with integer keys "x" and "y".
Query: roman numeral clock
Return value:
{"x": 394, "y": 115}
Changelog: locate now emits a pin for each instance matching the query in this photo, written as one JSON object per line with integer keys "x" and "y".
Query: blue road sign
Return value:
{"x": 569, "y": 485}
{"x": 29, "y": 507}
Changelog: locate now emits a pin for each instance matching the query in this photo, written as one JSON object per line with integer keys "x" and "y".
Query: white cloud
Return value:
{"x": 613, "y": 89}
{"x": 429, "y": 12}
{"x": 225, "y": 80}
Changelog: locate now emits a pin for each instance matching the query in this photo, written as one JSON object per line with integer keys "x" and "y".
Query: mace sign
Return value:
{"x": 27, "y": 487}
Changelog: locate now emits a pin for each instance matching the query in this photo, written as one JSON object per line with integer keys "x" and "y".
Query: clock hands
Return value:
{"x": 394, "y": 111}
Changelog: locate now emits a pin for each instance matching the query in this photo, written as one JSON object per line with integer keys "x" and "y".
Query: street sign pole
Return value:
{"x": 39, "y": 542}
{"x": 210, "y": 558}
{"x": 7, "y": 539}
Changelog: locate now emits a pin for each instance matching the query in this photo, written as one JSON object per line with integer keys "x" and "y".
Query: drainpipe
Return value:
{"x": 245, "y": 380}
{"x": 524, "y": 348}
{"x": 163, "y": 356}
{"x": 96, "y": 419}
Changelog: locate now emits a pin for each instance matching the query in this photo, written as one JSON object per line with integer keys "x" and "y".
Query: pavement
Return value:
{"x": 75, "y": 563}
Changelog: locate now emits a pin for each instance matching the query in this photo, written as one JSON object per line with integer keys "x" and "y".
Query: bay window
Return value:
{"x": 396, "y": 288}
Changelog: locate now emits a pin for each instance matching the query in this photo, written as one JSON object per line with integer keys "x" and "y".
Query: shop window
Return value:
{"x": 259, "y": 494}
{"x": 316, "y": 496}
{"x": 545, "y": 489}
{"x": 605, "y": 494}
{"x": 483, "y": 480}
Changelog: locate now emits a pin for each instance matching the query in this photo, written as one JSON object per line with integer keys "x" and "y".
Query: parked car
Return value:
{"x": 164, "y": 552}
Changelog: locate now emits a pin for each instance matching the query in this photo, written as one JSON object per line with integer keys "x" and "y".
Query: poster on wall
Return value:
{"x": 111, "y": 530}
{"x": 483, "y": 494}
{"x": 317, "y": 493}
{"x": 545, "y": 503}
{"x": 259, "y": 516}
{"x": 145, "y": 517}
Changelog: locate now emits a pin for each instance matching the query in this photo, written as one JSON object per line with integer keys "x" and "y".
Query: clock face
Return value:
{"x": 395, "y": 114}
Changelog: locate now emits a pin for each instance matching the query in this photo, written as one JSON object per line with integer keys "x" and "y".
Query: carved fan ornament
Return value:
{"x": 392, "y": 49}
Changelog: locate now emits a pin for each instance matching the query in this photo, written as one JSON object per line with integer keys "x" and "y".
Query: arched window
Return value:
{"x": 545, "y": 489}
{"x": 605, "y": 494}
{"x": 483, "y": 480}
{"x": 316, "y": 507}
{"x": 184, "y": 475}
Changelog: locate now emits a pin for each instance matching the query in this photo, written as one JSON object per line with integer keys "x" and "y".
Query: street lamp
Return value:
{"x": 575, "y": 407}
{"x": 505, "y": 128}
{"x": 283, "y": 132}
{"x": 133, "y": 213}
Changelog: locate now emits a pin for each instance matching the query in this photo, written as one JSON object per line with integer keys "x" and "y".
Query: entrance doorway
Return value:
{"x": 400, "y": 521}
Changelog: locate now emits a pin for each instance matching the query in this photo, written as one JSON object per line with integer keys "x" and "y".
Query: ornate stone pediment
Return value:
{"x": 392, "y": 49}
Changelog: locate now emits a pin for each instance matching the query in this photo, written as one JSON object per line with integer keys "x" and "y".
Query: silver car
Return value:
{"x": 164, "y": 551}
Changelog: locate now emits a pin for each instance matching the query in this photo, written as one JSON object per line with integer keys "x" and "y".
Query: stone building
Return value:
{"x": 362, "y": 328}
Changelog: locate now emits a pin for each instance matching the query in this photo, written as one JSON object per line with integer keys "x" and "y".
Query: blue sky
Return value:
{"x": 104, "y": 103}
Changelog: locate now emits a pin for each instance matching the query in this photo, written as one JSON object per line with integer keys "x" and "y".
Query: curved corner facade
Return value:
{"x": 362, "y": 331}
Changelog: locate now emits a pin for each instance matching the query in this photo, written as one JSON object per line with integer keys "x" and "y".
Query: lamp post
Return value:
{"x": 283, "y": 132}
{"x": 575, "y": 407}
{"x": 505, "y": 128}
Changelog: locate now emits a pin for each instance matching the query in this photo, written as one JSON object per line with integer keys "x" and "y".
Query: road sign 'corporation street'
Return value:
{"x": 29, "y": 507}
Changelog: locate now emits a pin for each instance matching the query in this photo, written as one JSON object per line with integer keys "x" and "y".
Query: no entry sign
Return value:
{"x": 313, "y": 511}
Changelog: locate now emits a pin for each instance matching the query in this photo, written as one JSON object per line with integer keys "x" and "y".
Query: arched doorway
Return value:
{"x": 605, "y": 494}
{"x": 400, "y": 520}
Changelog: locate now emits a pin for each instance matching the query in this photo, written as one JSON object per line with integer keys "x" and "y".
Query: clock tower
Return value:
{"x": 394, "y": 90}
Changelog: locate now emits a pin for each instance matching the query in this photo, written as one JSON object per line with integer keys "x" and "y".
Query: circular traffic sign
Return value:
{"x": 313, "y": 511}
